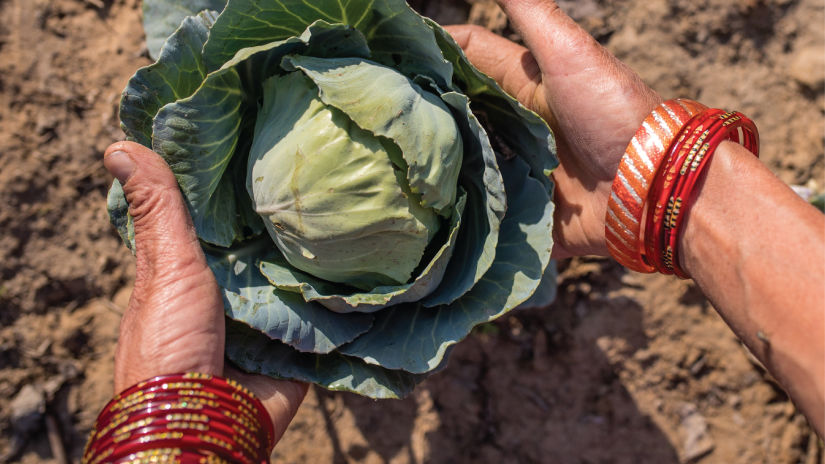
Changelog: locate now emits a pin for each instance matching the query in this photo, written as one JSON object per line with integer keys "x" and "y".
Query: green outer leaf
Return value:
{"x": 249, "y": 224}
{"x": 321, "y": 39}
{"x": 387, "y": 103}
{"x": 486, "y": 203}
{"x": 396, "y": 34}
{"x": 162, "y": 17}
{"x": 177, "y": 74}
{"x": 254, "y": 352}
{"x": 546, "y": 293}
{"x": 416, "y": 339}
{"x": 119, "y": 215}
{"x": 526, "y": 133}
{"x": 281, "y": 315}
{"x": 397, "y": 39}
{"x": 282, "y": 275}
{"x": 818, "y": 201}
{"x": 197, "y": 138}
{"x": 250, "y": 23}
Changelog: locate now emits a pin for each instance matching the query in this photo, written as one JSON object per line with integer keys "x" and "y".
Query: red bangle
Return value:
{"x": 673, "y": 191}
{"x": 222, "y": 430}
{"x": 735, "y": 127}
{"x": 190, "y": 417}
{"x": 681, "y": 149}
{"x": 207, "y": 417}
{"x": 236, "y": 399}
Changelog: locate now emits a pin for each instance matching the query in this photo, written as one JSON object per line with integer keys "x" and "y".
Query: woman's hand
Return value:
{"x": 771, "y": 296}
{"x": 593, "y": 102}
{"x": 175, "y": 319}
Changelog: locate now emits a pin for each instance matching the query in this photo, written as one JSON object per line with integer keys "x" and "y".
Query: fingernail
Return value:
{"x": 120, "y": 164}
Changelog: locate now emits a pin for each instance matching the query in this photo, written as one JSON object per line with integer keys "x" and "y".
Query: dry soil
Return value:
{"x": 623, "y": 368}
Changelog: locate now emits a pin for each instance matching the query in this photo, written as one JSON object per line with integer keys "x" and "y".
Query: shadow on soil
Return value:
{"x": 535, "y": 387}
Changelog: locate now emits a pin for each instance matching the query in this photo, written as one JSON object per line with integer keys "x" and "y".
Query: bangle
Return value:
{"x": 690, "y": 137}
{"x": 637, "y": 170}
{"x": 182, "y": 418}
{"x": 657, "y": 178}
{"x": 678, "y": 189}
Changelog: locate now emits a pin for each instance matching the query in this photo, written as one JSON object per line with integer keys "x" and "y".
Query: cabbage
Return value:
{"x": 364, "y": 195}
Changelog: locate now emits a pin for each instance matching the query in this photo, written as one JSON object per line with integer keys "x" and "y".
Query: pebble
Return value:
{"x": 697, "y": 441}
{"x": 807, "y": 67}
{"x": 27, "y": 409}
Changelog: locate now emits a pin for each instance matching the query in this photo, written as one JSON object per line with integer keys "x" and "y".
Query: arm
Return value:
{"x": 757, "y": 252}
{"x": 753, "y": 247}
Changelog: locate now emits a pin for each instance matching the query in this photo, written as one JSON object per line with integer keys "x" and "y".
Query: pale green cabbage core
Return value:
{"x": 336, "y": 198}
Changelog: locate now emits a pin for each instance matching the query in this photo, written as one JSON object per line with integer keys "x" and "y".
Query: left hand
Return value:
{"x": 175, "y": 319}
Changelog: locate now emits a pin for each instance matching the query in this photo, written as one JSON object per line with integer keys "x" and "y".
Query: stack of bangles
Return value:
{"x": 187, "y": 418}
{"x": 657, "y": 181}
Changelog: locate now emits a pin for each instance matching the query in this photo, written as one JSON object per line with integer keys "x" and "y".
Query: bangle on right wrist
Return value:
{"x": 647, "y": 207}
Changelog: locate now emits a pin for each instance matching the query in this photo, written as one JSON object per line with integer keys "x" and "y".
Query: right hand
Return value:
{"x": 593, "y": 102}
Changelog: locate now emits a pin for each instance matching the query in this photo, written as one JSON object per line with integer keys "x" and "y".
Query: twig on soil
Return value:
{"x": 92, "y": 169}
{"x": 111, "y": 306}
{"x": 95, "y": 3}
{"x": 55, "y": 441}
{"x": 814, "y": 454}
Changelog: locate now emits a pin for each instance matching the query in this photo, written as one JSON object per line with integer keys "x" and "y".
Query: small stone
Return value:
{"x": 807, "y": 67}
{"x": 698, "y": 366}
{"x": 27, "y": 409}
{"x": 646, "y": 357}
{"x": 697, "y": 441}
{"x": 488, "y": 14}
{"x": 581, "y": 310}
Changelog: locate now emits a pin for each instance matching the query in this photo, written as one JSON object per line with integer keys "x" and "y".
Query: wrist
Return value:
{"x": 715, "y": 204}
{"x": 579, "y": 225}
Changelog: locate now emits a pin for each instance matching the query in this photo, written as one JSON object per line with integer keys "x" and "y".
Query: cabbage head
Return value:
{"x": 364, "y": 195}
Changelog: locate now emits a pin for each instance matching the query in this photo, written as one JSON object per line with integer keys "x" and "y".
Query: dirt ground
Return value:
{"x": 623, "y": 368}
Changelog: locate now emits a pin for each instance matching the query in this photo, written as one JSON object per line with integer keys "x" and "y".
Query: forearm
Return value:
{"x": 758, "y": 253}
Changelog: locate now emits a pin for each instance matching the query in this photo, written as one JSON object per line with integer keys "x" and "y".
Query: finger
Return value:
{"x": 174, "y": 322}
{"x": 280, "y": 397}
{"x": 558, "y": 43}
{"x": 164, "y": 235}
{"x": 510, "y": 64}
{"x": 569, "y": 58}
{"x": 584, "y": 82}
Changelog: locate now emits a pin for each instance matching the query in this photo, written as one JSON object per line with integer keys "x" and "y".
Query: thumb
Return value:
{"x": 174, "y": 322}
{"x": 164, "y": 235}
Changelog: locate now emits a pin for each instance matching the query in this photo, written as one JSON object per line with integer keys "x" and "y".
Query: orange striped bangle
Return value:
{"x": 637, "y": 169}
